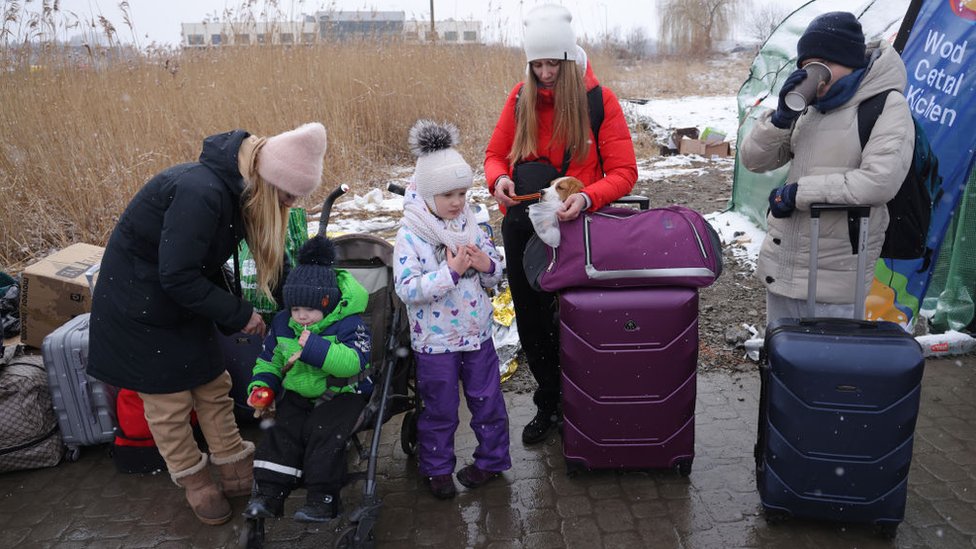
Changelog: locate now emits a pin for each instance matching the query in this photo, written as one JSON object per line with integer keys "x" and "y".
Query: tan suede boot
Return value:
{"x": 206, "y": 500}
{"x": 236, "y": 471}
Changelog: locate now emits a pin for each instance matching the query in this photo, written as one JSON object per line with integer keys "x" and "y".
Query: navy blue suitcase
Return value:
{"x": 838, "y": 404}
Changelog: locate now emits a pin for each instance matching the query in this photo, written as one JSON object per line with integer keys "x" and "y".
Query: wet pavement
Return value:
{"x": 88, "y": 504}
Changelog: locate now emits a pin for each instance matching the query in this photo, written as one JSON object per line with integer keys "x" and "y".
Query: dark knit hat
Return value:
{"x": 313, "y": 282}
{"x": 835, "y": 36}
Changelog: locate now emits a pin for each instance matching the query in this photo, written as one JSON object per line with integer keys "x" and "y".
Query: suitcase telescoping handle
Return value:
{"x": 862, "y": 213}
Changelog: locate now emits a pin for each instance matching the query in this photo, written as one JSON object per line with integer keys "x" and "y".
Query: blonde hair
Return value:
{"x": 265, "y": 229}
{"x": 572, "y": 116}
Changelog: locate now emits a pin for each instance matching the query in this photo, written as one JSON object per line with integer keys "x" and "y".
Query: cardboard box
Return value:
{"x": 699, "y": 147}
{"x": 679, "y": 134}
{"x": 711, "y": 135}
{"x": 54, "y": 290}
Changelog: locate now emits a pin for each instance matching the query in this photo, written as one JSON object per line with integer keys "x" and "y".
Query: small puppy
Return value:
{"x": 544, "y": 215}
{"x": 562, "y": 187}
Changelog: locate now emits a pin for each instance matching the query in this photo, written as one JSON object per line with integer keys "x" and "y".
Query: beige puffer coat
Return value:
{"x": 829, "y": 166}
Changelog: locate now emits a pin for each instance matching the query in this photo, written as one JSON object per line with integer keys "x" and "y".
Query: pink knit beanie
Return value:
{"x": 292, "y": 161}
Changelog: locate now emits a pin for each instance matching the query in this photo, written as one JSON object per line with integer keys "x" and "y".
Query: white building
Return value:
{"x": 449, "y": 31}
{"x": 329, "y": 25}
{"x": 196, "y": 35}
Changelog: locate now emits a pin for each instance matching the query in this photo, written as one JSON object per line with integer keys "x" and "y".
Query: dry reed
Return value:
{"x": 80, "y": 138}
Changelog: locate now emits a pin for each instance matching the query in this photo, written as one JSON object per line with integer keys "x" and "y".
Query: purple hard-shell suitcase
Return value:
{"x": 629, "y": 360}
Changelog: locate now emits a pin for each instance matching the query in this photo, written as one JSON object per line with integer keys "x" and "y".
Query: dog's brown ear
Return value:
{"x": 575, "y": 185}
{"x": 569, "y": 185}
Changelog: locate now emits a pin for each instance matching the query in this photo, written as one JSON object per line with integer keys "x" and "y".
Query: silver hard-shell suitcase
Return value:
{"x": 85, "y": 406}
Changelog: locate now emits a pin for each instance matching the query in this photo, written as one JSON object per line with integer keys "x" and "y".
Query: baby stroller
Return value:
{"x": 369, "y": 259}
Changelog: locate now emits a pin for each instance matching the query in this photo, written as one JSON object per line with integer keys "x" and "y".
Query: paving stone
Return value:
{"x": 536, "y": 504}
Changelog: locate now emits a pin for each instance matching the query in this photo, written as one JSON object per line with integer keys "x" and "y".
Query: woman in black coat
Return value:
{"x": 160, "y": 295}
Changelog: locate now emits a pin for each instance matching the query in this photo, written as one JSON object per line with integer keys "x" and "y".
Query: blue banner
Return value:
{"x": 941, "y": 81}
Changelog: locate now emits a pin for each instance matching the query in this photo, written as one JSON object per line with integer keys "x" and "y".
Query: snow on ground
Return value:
{"x": 719, "y": 113}
{"x": 661, "y": 168}
{"x": 380, "y": 211}
{"x": 735, "y": 228}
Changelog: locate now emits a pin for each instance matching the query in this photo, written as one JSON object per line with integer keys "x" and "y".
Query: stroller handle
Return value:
{"x": 396, "y": 189}
{"x": 327, "y": 207}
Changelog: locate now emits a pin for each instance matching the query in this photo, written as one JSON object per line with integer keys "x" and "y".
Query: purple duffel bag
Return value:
{"x": 622, "y": 247}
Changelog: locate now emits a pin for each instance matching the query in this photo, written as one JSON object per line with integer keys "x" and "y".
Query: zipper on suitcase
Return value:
{"x": 28, "y": 444}
{"x": 553, "y": 262}
{"x": 694, "y": 230}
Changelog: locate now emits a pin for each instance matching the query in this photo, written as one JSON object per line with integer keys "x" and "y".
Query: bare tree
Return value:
{"x": 764, "y": 19}
{"x": 692, "y": 26}
{"x": 637, "y": 42}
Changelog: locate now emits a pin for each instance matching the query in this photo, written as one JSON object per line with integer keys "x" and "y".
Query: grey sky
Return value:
{"x": 159, "y": 21}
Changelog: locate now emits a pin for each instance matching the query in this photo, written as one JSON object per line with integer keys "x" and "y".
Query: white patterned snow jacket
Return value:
{"x": 444, "y": 317}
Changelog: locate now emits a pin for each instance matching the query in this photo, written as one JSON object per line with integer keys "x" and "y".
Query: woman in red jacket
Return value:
{"x": 546, "y": 119}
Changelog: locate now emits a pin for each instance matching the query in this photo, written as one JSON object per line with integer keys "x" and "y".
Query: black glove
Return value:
{"x": 784, "y": 116}
{"x": 782, "y": 200}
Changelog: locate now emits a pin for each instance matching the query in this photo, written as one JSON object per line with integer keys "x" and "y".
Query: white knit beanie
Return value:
{"x": 548, "y": 34}
{"x": 440, "y": 168}
{"x": 292, "y": 161}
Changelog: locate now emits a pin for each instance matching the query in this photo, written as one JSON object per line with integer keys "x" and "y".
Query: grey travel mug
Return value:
{"x": 799, "y": 97}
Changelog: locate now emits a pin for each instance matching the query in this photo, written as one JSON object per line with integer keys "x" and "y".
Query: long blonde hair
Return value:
{"x": 265, "y": 228}
{"x": 572, "y": 116}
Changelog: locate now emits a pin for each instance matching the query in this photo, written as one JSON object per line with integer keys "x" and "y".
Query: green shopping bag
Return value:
{"x": 297, "y": 235}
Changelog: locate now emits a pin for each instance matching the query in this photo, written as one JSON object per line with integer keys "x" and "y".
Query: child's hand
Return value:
{"x": 262, "y": 400}
{"x": 479, "y": 259}
{"x": 303, "y": 339}
{"x": 460, "y": 262}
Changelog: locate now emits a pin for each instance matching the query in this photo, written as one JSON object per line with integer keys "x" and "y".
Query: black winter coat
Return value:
{"x": 158, "y": 297}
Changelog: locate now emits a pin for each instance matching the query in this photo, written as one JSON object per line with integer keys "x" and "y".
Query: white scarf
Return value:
{"x": 452, "y": 233}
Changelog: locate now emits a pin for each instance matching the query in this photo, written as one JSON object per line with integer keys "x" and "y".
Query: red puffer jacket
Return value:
{"x": 616, "y": 147}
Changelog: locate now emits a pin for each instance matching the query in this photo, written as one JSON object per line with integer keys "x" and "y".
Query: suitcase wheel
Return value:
{"x": 775, "y": 516}
{"x": 574, "y": 468}
{"x": 684, "y": 468}
{"x": 887, "y": 530}
{"x": 73, "y": 453}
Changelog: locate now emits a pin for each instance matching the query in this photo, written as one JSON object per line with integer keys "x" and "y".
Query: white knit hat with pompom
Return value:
{"x": 440, "y": 168}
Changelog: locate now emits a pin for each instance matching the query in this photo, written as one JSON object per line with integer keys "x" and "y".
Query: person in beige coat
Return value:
{"x": 828, "y": 165}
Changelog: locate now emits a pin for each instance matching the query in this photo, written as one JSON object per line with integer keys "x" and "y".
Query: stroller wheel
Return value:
{"x": 252, "y": 534}
{"x": 347, "y": 539}
{"x": 408, "y": 433}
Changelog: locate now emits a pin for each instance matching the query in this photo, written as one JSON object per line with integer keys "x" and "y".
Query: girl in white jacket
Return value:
{"x": 443, "y": 264}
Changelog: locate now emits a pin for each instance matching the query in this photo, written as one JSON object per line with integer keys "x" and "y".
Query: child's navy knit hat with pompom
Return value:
{"x": 313, "y": 282}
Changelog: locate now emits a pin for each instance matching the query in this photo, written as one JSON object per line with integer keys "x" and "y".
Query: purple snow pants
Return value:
{"x": 437, "y": 385}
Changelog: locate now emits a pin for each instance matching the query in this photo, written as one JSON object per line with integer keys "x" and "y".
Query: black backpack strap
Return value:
{"x": 594, "y": 100}
{"x": 868, "y": 113}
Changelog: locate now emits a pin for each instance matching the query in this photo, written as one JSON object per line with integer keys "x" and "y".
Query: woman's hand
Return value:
{"x": 460, "y": 262}
{"x": 479, "y": 259}
{"x": 504, "y": 191}
{"x": 255, "y": 326}
{"x": 572, "y": 207}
